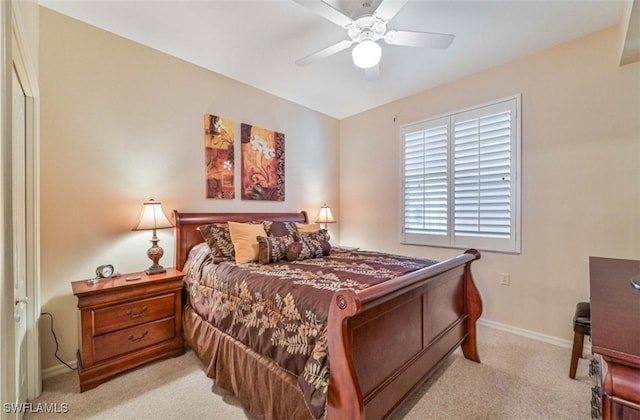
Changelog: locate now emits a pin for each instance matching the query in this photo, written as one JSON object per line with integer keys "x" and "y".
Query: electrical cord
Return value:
{"x": 55, "y": 338}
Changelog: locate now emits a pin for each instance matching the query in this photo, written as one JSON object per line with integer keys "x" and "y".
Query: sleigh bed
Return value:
{"x": 378, "y": 343}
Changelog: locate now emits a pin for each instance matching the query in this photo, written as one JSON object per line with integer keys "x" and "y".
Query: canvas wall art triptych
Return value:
{"x": 261, "y": 161}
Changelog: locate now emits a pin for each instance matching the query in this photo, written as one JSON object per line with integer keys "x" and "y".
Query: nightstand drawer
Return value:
{"x": 132, "y": 339}
{"x": 128, "y": 314}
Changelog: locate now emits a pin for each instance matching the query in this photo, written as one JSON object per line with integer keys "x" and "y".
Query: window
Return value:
{"x": 461, "y": 179}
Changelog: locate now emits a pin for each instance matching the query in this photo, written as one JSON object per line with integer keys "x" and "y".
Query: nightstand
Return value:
{"x": 127, "y": 323}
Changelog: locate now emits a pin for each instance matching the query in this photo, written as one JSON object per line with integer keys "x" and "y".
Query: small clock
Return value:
{"x": 104, "y": 271}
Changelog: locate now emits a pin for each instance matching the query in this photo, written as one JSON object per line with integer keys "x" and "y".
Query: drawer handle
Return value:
{"x": 136, "y": 339}
{"x": 136, "y": 314}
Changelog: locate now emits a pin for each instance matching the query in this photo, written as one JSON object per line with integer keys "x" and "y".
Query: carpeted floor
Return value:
{"x": 518, "y": 378}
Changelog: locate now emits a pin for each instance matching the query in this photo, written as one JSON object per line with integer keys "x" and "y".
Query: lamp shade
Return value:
{"x": 152, "y": 217}
{"x": 325, "y": 215}
{"x": 366, "y": 54}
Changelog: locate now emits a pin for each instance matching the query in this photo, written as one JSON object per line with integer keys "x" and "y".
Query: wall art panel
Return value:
{"x": 262, "y": 170}
{"x": 219, "y": 154}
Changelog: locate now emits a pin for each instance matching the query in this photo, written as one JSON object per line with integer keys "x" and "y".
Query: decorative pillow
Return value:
{"x": 317, "y": 240}
{"x": 307, "y": 247}
{"x": 294, "y": 250}
{"x": 273, "y": 248}
{"x": 245, "y": 244}
{"x": 308, "y": 227}
{"x": 217, "y": 236}
{"x": 279, "y": 228}
{"x": 319, "y": 235}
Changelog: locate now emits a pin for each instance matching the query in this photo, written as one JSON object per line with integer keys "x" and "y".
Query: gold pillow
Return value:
{"x": 243, "y": 236}
{"x": 308, "y": 227}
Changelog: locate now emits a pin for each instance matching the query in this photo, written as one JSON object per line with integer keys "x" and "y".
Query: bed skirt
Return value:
{"x": 265, "y": 390}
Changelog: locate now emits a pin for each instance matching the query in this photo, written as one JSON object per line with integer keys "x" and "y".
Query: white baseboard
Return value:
{"x": 560, "y": 342}
{"x": 58, "y": 370}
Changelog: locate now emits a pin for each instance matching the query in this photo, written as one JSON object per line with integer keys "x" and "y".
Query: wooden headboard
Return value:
{"x": 187, "y": 235}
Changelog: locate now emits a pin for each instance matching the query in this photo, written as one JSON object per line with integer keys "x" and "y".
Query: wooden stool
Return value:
{"x": 581, "y": 327}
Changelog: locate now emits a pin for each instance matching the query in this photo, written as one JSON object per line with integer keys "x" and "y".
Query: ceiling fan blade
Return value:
{"x": 372, "y": 73}
{"x": 326, "y": 11}
{"x": 324, "y": 53}
{"x": 389, "y": 8}
{"x": 418, "y": 39}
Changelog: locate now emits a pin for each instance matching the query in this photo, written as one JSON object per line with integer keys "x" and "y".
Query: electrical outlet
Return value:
{"x": 505, "y": 279}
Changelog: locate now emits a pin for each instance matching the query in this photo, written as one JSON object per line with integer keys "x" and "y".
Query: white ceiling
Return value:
{"x": 258, "y": 41}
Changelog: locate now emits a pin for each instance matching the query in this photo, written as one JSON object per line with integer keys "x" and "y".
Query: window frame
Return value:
{"x": 512, "y": 244}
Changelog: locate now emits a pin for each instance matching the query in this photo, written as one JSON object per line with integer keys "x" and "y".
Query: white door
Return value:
{"x": 19, "y": 241}
{"x": 20, "y": 377}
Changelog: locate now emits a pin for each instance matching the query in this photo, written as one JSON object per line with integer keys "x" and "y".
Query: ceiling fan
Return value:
{"x": 365, "y": 28}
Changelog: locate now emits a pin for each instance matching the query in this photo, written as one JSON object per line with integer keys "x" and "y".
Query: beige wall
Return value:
{"x": 122, "y": 123}
{"x": 580, "y": 186}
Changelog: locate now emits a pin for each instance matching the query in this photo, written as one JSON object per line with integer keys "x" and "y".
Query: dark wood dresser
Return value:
{"x": 615, "y": 335}
{"x": 127, "y": 321}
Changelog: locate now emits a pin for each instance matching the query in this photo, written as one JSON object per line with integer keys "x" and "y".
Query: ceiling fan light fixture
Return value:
{"x": 366, "y": 54}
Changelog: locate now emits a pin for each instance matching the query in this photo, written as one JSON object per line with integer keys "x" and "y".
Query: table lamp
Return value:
{"x": 152, "y": 218}
{"x": 325, "y": 216}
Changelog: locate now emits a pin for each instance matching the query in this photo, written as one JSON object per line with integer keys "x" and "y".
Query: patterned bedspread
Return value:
{"x": 280, "y": 310}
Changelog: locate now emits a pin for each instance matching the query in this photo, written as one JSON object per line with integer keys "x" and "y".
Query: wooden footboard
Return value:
{"x": 423, "y": 316}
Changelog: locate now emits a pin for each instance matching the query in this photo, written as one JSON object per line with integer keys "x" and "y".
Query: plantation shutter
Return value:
{"x": 482, "y": 174}
{"x": 461, "y": 179}
{"x": 425, "y": 178}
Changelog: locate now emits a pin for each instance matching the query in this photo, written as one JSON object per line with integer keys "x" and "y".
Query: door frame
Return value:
{"x": 26, "y": 69}
{"x": 14, "y": 53}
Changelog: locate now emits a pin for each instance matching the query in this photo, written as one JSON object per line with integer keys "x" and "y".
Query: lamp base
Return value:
{"x": 155, "y": 269}
{"x": 155, "y": 253}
